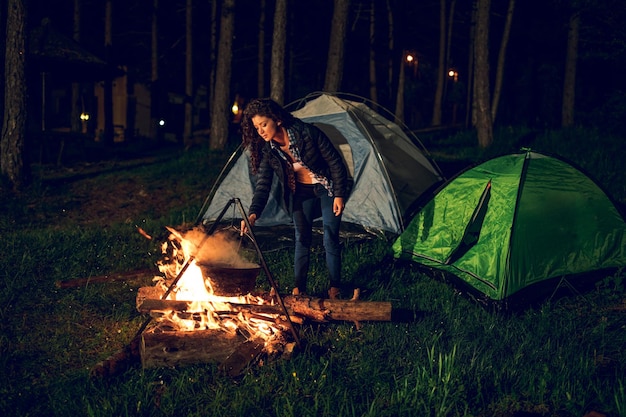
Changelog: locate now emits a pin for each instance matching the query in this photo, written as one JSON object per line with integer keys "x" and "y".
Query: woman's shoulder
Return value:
{"x": 305, "y": 128}
{"x": 298, "y": 124}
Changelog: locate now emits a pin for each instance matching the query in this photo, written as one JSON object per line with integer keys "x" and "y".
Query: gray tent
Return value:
{"x": 390, "y": 167}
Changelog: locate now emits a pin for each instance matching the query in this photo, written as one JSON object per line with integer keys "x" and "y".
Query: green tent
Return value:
{"x": 515, "y": 221}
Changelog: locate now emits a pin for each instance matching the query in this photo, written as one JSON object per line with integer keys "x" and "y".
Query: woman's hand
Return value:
{"x": 251, "y": 220}
{"x": 338, "y": 206}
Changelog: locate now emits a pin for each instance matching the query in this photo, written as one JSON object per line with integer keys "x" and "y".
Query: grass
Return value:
{"x": 446, "y": 356}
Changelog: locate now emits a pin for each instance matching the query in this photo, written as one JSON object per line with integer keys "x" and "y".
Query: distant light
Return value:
{"x": 84, "y": 117}
{"x": 410, "y": 58}
{"x": 235, "y": 108}
{"x": 451, "y": 73}
{"x": 161, "y": 122}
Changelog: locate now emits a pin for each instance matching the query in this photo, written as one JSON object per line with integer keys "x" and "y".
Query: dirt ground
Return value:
{"x": 77, "y": 195}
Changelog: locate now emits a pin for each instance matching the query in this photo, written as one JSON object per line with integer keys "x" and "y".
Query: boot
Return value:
{"x": 334, "y": 293}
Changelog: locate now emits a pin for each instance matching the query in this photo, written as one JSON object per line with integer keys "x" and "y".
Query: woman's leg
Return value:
{"x": 332, "y": 244}
{"x": 303, "y": 205}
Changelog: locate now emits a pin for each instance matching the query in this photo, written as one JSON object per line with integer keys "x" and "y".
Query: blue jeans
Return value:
{"x": 304, "y": 212}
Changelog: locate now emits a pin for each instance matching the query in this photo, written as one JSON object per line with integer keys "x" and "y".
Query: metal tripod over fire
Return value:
{"x": 262, "y": 261}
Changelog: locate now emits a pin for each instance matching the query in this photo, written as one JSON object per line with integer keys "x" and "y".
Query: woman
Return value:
{"x": 312, "y": 174}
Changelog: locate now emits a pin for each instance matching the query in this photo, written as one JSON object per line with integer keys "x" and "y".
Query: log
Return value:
{"x": 148, "y": 306}
{"x": 118, "y": 362}
{"x": 179, "y": 348}
{"x": 237, "y": 361}
{"x": 122, "y": 276}
{"x": 151, "y": 297}
{"x": 200, "y": 319}
{"x": 322, "y": 309}
{"x": 316, "y": 309}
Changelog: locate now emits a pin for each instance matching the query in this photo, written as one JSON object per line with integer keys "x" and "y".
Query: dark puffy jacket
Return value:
{"x": 316, "y": 151}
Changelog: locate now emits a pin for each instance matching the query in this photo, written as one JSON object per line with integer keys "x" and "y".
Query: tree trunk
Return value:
{"x": 3, "y": 47}
{"x": 277, "y": 84}
{"x": 334, "y": 66}
{"x": 219, "y": 114}
{"x": 501, "y": 58}
{"x": 212, "y": 57}
{"x": 482, "y": 109}
{"x": 154, "y": 72}
{"x": 109, "y": 134}
{"x": 569, "y": 83}
{"x": 390, "y": 45}
{"x": 449, "y": 35}
{"x": 12, "y": 141}
{"x": 75, "y": 122}
{"x": 441, "y": 70}
{"x": 469, "y": 102}
{"x": 448, "y": 61}
{"x": 261, "y": 52}
{"x": 188, "y": 124}
{"x": 399, "y": 115}
{"x": 372, "y": 66}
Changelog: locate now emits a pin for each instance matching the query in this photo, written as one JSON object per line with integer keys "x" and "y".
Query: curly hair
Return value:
{"x": 250, "y": 138}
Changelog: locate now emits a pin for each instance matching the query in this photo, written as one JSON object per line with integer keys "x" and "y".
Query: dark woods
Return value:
{"x": 84, "y": 72}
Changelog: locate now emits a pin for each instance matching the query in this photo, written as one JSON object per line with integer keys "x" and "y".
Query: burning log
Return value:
{"x": 316, "y": 309}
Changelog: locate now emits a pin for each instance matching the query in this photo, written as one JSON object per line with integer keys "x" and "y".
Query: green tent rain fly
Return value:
{"x": 516, "y": 221}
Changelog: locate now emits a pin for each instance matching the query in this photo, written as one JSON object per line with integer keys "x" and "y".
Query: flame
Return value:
{"x": 205, "y": 309}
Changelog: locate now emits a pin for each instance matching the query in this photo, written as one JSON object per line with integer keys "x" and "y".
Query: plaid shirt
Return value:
{"x": 327, "y": 183}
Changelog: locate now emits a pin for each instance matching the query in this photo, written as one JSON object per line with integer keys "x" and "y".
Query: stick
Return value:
{"x": 268, "y": 274}
{"x": 122, "y": 276}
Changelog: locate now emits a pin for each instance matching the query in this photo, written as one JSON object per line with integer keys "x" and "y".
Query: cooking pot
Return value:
{"x": 228, "y": 281}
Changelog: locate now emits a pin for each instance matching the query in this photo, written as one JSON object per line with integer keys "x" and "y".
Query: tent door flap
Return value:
{"x": 472, "y": 231}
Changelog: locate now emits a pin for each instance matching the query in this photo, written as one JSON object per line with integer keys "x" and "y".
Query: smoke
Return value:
{"x": 219, "y": 249}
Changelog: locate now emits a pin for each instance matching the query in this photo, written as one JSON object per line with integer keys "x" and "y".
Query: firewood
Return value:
{"x": 245, "y": 354}
{"x": 122, "y": 276}
{"x": 322, "y": 310}
{"x": 149, "y": 305}
{"x": 118, "y": 362}
{"x": 179, "y": 348}
{"x": 316, "y": 309}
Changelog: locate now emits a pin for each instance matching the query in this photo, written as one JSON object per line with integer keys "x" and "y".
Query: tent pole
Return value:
{"x": 217, "y": 181}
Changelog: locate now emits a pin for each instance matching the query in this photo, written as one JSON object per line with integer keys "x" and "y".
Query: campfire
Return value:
{"x": 215, "y": 280}
{"x": 205, "y": 307}
{"x": 212, "y": 312}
